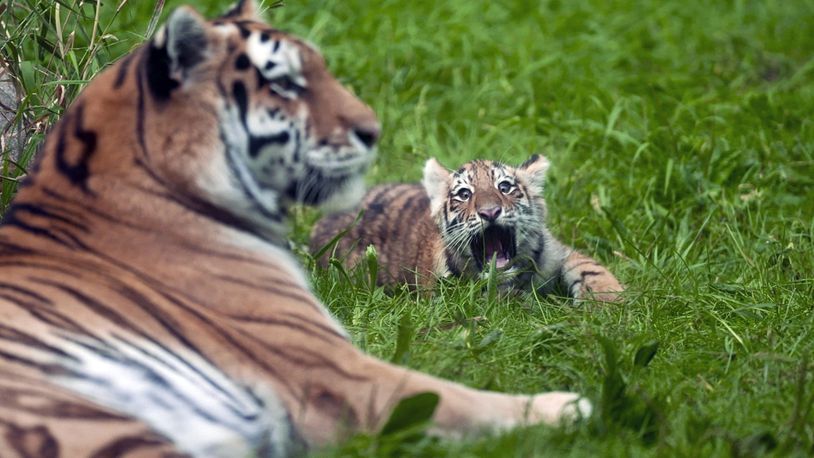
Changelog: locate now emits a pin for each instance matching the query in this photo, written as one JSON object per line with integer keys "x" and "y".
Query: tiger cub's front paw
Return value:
{"x": 602, "y": 287}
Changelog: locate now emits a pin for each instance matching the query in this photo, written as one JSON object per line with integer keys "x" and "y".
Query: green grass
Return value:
{"x": 682, "y": 145}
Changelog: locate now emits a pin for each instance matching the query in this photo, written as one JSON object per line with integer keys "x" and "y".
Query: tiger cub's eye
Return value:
{"x": 505, "y": 187}
{"x": 463, "y": 194}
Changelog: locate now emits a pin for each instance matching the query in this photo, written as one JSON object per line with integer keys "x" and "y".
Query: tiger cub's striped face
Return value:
{"x": 290, "y": 130}
{"x": 487, "y": 210}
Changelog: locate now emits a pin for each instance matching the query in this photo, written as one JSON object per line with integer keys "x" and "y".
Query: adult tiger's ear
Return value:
{"x": 178, "y": 47}
{"x": 436, "y": 183}
{"x": 533, "y": 171}
{"x": 243, "y": 9}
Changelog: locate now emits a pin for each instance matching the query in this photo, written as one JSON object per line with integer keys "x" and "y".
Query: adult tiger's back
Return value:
{"x": 145, "y": 303}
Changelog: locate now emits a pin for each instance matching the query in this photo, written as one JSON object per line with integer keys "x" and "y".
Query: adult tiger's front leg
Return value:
{"x": 333, "y": 387}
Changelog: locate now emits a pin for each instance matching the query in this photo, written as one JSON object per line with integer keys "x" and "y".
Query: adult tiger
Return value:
{"x": 145, "y": 304}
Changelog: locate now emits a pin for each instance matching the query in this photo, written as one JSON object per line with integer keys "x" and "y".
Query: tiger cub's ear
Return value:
{"x": 243, "y": 9}
{"x": 177, "y": 47}
{"x": 533, "y": 171}
{"x": 436, "y": 183}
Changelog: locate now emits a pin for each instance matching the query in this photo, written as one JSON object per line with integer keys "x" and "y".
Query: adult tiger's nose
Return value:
{"x": 368, "y": 134}
{"x": 490, "y": 214}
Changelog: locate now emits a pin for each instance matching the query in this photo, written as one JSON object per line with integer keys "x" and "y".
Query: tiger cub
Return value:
{"x": 460, "y": 223}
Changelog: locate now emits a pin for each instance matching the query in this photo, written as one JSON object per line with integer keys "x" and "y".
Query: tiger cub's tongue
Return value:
{"x": 495, "y": 248}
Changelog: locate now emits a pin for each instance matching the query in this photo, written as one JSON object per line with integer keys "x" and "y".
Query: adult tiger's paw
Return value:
{"x": 558, "y": 407}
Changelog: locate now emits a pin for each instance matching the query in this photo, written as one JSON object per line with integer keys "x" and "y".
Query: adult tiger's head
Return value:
{"x": 234, "y": 117}
{"x": 487, "y": 210}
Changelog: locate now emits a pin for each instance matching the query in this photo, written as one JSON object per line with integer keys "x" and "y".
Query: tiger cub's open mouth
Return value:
{"x": 495, "y": 241}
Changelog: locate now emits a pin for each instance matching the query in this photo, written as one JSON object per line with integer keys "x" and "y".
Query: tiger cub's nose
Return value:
{"x": 490, "y": 214}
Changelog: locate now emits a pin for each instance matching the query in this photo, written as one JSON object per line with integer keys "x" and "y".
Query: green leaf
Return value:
{"x": 610, "y": 353}
{"x": 413, "y": 412}
{"x": 403, "y": 340}
{"x": 336, "y": 264}
{"x": 645, "y": 353}
{"x": 491, "y": 285}
{"x": 28, "y": 78}
{"x": 372, "y": 259}
{"x": 489, "y": 340}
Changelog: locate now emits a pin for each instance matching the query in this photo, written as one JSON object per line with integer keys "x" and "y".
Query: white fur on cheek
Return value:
{"x": 345, "y": 198}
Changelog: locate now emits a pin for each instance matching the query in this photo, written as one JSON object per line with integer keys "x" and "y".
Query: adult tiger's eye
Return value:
{"x": 285, "y": 83}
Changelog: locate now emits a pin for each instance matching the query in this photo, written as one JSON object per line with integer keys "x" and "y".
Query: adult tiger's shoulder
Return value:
{"x": 147, "y": 305}
{"x": 458, "y": 223}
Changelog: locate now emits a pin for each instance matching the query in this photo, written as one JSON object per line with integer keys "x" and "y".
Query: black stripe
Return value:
{"x": 147, "y": 229}
{"x": 122, "y": 446}
{"x": 72, "y": 242}
{"x": 225, "y": 335}
{"x": 244, "y": 32}
{"x": 68, "y": 271}
{"x": 396, "y": 223}
{"x": 318, "y": 360}
{"x": 258, "y": 142}
{"x": 453, "y": 269}
{"x": 174, "y": 329}
{"x": 46, "y": 212}
{"x": 157, "y": 69}
{"x": 32, "y": 441}
{"x": 111, "y": 354}
{"x": 208, "y": 210}
{"x": 78, "y": 172}
{"x": 151, "y": 309}
{"x": 234, "y": 11}
{"x": 124, "y": 66}
{"x": 382, "y": 200}
{"x": 194, "y": 311}
{"x": 48, "y": 405}
{"x": 184, "y": 362}
{"x": 7, "y": 248}
{"x": 257, "y": 207}
{"x": 529, "y": 161}
{"x": 59, "y": 321}
{"x": 26, "y": 292}
{"x": 306, "y": 298}
{"x": 140, "y": 106}
{"x": 589, "y": 273}
{"x": 47, "y": 368}
{"x": 16, "y": 336}
{"x": 97, "y": 307}
{"x": 44, "y": 311}
{"x": 242, "y": 99}
{"x": 322, "y": 332}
